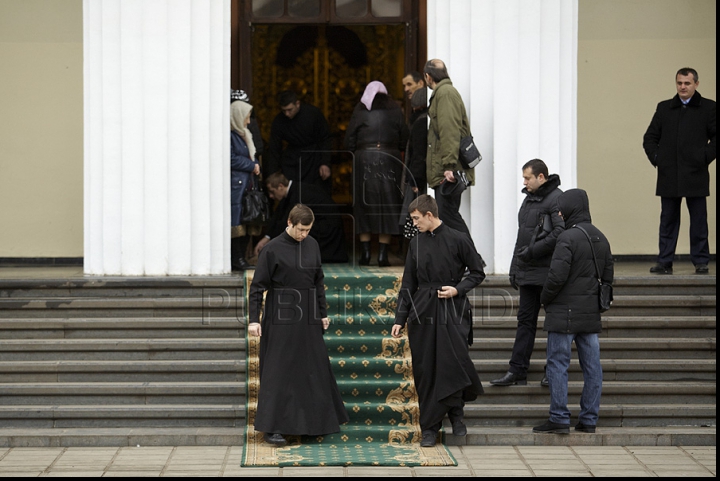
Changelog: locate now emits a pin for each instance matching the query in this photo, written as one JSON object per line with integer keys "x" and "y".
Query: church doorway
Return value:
{"x": 326, "y": 51}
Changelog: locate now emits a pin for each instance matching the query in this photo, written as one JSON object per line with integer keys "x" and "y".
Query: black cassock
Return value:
{"x": 298, "y": 392}
{"x": 439, "y": 330}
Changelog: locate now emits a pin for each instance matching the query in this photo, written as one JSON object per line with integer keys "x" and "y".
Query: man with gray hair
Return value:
{"x": 448, "y": 124}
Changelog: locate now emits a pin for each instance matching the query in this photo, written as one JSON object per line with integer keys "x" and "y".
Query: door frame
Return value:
{"x": 242, "y": 24}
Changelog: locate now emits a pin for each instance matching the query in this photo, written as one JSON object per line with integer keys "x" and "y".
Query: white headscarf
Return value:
{"x": 239, "y": 111}
{"x": 373, "y": 88}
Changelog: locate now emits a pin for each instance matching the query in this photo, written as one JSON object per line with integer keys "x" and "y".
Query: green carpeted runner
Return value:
{"x": 374, "y": 374}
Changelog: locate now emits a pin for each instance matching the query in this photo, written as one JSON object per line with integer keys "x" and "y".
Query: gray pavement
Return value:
{"x": 588, "y": 461}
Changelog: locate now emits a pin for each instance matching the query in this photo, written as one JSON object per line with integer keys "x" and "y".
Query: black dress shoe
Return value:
{"x": 585, "y": 428}
{"x": 509, "y": 379}
{"x": 702, "y": 269}
{"x": 275, "y": 439}
{"x": 429, "y": 439}
{"x": 459, "y": 428}
{"x": 552, "y": 428}
{"x": 661, "y": 269}
{"x": 240, "y": 265}
{"x": 544, "y": 382}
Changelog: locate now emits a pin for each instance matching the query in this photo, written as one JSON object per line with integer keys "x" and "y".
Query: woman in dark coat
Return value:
{"x": 377, "y": 134}
{"x": 242, "y": 164}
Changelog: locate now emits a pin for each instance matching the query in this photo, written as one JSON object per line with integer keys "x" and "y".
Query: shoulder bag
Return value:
{"x": 605, "y": 291}
{"x": 255, "y": 204}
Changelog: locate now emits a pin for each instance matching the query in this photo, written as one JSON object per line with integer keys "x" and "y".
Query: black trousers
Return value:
{"x": 527, "y": 317}
{"x": 449, "y": 210}
{"x": 670, "y": 229}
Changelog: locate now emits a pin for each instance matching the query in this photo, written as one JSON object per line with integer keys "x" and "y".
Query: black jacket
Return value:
{"x": 680, "y": 142}
{"x": 530, "y": 266}
{"x": 570, "y": 294}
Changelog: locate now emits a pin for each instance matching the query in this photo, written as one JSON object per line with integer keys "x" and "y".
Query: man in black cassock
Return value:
{"x": 327, "y": 229}
{"x": 300, "y": 143}
{"x": 298, "y": 393}
{"x": 433, "y": 297}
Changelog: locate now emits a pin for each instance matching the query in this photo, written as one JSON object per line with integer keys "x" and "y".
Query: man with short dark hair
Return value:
{"x": 412, "y": 81}
{"x": 539, "y": 226}
{"x": 328, "y": 227}
{"x": 300, "y": 142}
{"x": 448, "y": 124}
{"x": 298, "y": 392}
{"x": 680, "y": 143}
{"x": 433, "y": 303}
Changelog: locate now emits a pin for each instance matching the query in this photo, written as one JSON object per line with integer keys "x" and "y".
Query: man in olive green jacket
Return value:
{"x": 448, "y": 124}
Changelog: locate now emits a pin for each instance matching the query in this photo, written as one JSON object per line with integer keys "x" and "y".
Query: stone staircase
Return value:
{"x": 117, "y": 361}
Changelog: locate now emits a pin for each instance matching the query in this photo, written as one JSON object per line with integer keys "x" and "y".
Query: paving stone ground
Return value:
{"x": 481, "y": 461}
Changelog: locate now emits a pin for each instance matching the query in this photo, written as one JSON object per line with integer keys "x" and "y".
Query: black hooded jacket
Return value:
{"x": 534, "y": 246}
{"x": 570, "y": 294}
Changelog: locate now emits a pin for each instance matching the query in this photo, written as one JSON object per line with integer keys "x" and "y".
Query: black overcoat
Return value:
{"x": 570, "y": 294}
{"x": 531, "y": 267}
{"x": 680, "y": 143}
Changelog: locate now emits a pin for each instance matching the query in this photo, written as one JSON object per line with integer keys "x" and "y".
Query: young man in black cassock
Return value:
{"x": 298, "y": 393}
{"x": 433, "y": 297}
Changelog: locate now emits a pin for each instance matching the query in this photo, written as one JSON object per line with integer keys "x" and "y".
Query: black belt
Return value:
{"x": 436, "y": 285}
{"x": 377, "y": 146}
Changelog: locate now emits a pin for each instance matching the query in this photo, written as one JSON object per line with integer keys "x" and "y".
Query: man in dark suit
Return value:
{"x": 680, "y": 143}
{"x": 328, "y": 227}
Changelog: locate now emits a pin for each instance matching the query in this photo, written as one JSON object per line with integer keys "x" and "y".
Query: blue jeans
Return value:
{"x": 558, "y": 361}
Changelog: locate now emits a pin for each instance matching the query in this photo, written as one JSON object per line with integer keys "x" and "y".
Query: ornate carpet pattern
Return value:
{"x": 374, "y": 374}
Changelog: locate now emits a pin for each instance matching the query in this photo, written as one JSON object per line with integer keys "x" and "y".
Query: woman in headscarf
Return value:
{"x": 377, "y": 134}
{"x": 242, "y": 164}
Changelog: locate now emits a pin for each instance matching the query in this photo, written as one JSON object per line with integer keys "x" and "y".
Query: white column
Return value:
{"x": 515, "y": 64}
{"x": 157, "y": 179}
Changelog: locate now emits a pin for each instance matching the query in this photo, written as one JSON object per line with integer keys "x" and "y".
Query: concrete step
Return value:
{"x": 504, "y": 304}
{"x": 202, "y": 307}
{"x": 477, "y": 436}
{"x": 634, "y": 285}
{"x": 656, "y": 370}
{"x": 613, "y": 326}
{"x": 119, "y": 416}
{"x": 38, "y": 416}
{"x": 123, "y": 328}
{"x": 611, "y": 415}
{"x": 610, "y": 348}
{"x": 604, "y": 436}
{"x": 615, "y": 392}
{"x": 122, "y": 393}
{"x": 122, "y": 371}
{"x": 121, "y": 349}
{"x": 231, "y": 305}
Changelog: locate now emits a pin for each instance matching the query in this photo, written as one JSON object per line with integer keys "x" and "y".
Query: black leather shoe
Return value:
{"x": 509, "y": 379}
{"x": 544, "y": 382}
{"x": 584, "y": 428}
{"x": 275, "y": 439}
{"x": 459, "y": 428}
{"x": 661, "y": 269}
{"x": 702, "y": 269}
{"x": 240, "y": 265}
{"x": 429, "y": 439}
{"x": 552, "y": 428}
